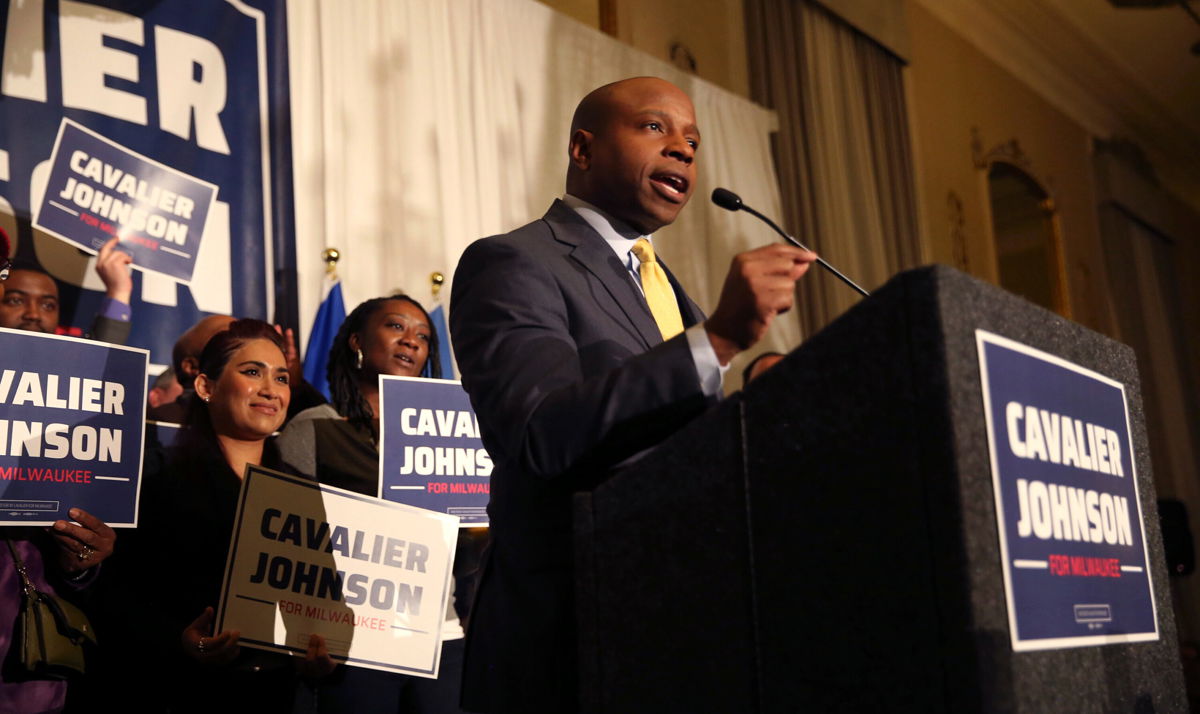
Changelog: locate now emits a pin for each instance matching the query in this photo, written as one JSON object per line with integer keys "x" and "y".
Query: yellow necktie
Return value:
{"x": 659, "y": 294}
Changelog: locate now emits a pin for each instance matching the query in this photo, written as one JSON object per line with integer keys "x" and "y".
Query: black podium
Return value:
{"x": 826, "y": 541}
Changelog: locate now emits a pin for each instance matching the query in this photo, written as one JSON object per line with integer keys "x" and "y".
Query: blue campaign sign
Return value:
{"x": 431, "y": 455}
{"x": 201, "y": 88}
{"x": 99, "y": 189}
{"x": 71, "y": 418}
{"x": 1076, "y": 568}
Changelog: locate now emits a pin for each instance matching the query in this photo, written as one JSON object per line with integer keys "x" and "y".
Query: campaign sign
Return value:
{"x": 99, "y": 189}
{"x": 431, "y": 455}
{"x": 1076, "y": 569}
{"x": 371, "y": 577}
{"x": 198, "y": 87}
{"x": 71, "y": 418}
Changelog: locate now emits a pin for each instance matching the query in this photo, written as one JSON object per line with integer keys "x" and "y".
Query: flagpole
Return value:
{"x": 436, "y": 280}
{"x": 330, "y": 314}
{"x": 438, "y": 315}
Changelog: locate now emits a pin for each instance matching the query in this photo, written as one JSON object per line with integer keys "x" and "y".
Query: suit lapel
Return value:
{"x": 593, "y": 253}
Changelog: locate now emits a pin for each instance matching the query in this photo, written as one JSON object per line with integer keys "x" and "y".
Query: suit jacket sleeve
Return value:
{"x": 114, "y": 332}
{"x": 555, "y": 395}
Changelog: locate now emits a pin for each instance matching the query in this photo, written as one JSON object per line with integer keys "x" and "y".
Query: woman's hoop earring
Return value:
{"x": 358, "y": 362}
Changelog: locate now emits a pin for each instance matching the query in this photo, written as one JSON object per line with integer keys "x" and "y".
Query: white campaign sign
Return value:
{"x": 370, "y": 576}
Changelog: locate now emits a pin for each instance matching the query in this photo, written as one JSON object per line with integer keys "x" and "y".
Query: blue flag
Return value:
{"x": 330, "y": 316}
{"x": 438, "y": 316}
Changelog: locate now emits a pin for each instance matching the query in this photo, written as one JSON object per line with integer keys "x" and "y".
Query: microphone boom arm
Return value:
{"x": 730, "y": 201}
{"x": 801, "y": 246}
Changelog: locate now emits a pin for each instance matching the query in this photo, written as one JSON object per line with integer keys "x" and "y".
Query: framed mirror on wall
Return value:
{"x": 1024, "y": 229}
{"x": 1025, "y": 234}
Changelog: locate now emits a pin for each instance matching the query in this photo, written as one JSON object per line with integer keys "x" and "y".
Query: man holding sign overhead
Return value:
{"x": 32, "y": 302}
{"x": 580, "y": 351}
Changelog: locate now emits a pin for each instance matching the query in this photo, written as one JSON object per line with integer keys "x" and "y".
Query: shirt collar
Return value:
{"x": 619, "y": 236}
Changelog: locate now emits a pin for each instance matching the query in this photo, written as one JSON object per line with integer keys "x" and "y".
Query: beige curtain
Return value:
{"x": 1147, "y": 239}
{"x": 422, "y": 125}
{"x": 843, "y": 152}
{"x": 1141, "y": 268}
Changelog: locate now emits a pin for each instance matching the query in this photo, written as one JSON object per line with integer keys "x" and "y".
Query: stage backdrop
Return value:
{"x": 200, "y": 87}
{"x": 422, "y": 125}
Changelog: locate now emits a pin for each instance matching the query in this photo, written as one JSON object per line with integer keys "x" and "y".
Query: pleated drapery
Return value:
{"x": 420, "y": 126}
{"x": 843, "y": 150}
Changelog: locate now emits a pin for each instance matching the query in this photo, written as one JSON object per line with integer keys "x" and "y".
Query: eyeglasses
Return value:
{"x": 5, "y": 266}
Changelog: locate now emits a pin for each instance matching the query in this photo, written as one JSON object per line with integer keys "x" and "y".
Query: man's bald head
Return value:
{"x": 185, "y": 358}
{"x": 596, "y": 108}
{"x": 632, "y": 151}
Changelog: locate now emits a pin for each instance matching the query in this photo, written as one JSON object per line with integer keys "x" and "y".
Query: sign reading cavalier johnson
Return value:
{"x": 99, "y": 189}
{"x": 431, "y": 453}
{"x": 1076, "y": 570}
{"x": 71, "y": 421}
{"x": 371, "y": 577}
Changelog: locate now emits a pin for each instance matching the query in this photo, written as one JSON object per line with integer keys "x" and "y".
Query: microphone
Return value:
{"x": 730, "y": 201}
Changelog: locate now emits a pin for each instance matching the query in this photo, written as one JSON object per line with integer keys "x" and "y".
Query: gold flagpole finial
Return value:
{"x": 331, "y": 256}
{"x": 436, "y": 280}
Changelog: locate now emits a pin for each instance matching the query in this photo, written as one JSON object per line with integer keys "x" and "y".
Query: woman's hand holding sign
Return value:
{"x": 82, "y": 546}
{"x": 316, "y": 663}
{"x": 202, "y": 646}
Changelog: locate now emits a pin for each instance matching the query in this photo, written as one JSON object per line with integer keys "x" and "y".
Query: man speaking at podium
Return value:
{"x": 580, "y": 350}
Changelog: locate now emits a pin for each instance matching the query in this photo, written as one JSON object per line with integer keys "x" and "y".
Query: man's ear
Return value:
{"x": 190, "y": 366}
{"x": 580, "y": 149}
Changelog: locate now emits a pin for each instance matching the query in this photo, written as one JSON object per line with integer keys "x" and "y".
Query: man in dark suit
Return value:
{"x": 580, "y": 351}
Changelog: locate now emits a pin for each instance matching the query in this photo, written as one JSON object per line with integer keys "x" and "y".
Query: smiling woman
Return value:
{"x": 246, "y": 398}
{"x": 187, "y": 512}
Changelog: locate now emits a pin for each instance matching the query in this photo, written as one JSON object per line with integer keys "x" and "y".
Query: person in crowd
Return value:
{"x": 580, "y": 352}
{"x": 758, "y": 365}
{"x": 187, "y": 513}
{"x": 31, "y": 301}
{"x": 164, "y": 390}
{"x": 338, "y": 444}
{"x": 185, "y": 361}
{"x": 62, "y": 560}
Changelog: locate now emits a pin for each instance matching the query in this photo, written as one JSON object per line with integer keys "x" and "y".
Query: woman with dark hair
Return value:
{"x": 188, "y": 507}
{"x": 338, "y": 444}
{"x": 381, "y": 336}
{"x": 384, "y": 335}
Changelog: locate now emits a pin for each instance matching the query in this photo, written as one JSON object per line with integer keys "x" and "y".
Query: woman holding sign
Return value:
{"x": 58, "y": 561}
{"x": 338, "y": 445}
{"x": 188, "y": 510}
